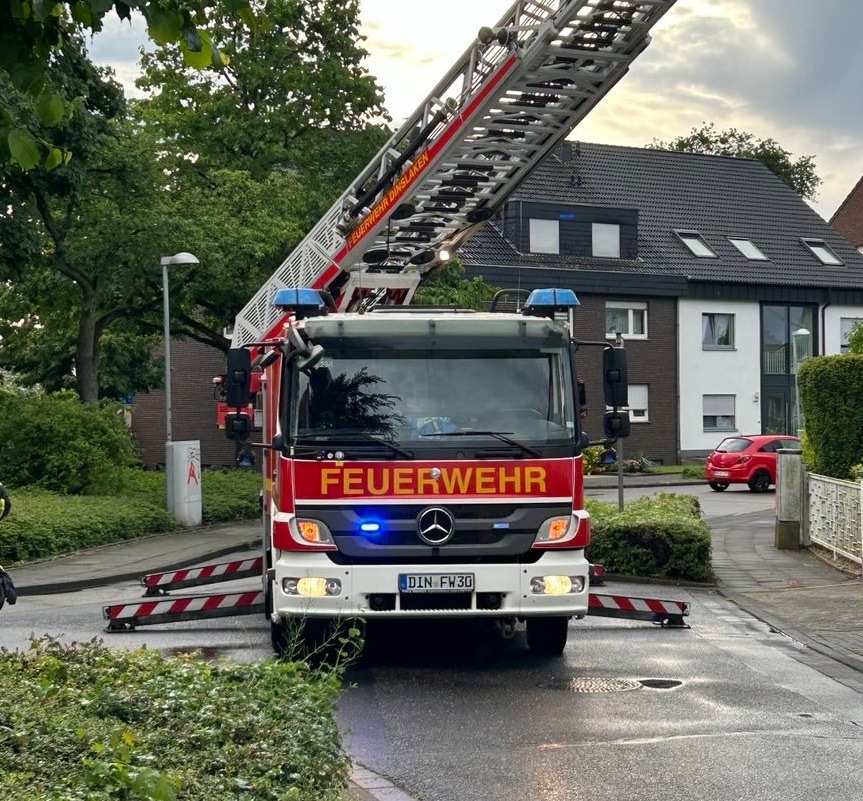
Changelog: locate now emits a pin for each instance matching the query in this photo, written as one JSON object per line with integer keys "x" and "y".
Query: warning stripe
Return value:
{"x": 205, "y": 571}
{"x": 630, "y": 604}
{"x": 175, "y": 606}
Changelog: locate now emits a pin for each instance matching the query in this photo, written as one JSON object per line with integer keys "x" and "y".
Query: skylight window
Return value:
{"x": 822, "y": 252}
{"x": 696, "y": 244}
{"x": 748, "y": 248}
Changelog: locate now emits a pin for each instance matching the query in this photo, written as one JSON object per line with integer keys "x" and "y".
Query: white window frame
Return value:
{"x": 605, "y": 240}
{"x": 821, "y": 250}
{"x": 748, "y": 248}
{"x": 544, "y": 236}
{"x": 720, "y": 402}
{"x": 637, "y": 405}
{"x": 843, "y": 334}
{"x": 630, "y": 307}
{"x": 687, "y": 238}
{"x": 731, "y": 329}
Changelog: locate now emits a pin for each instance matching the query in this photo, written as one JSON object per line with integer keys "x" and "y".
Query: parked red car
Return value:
{"x": 746, "y": 459}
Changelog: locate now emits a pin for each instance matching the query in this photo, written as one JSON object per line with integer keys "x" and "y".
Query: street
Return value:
{"x": 727, "y": 709}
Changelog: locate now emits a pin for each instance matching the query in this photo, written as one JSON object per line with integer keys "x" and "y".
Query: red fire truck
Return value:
{"x": 423, "y": 463}
{"x": 426, "y": 463}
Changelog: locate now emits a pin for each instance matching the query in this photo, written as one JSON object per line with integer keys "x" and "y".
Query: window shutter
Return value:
{"x": 718, "y": 405}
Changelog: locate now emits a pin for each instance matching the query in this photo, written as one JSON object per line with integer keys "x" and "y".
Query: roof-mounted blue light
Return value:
{"x": 545, "y": 302}
{"x": 302, "y": 301}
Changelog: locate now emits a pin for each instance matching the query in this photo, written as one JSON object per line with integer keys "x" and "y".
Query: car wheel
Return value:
{"x": 546, "y": 636}
{"x": 760, "y": 481}
{"x": 718, "y": 487}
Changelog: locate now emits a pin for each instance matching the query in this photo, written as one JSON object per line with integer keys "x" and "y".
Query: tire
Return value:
{"x": 716, "y": 486}
{"x": 546, "y": 636}
{"x": 279, "y": 636}
{"x": 760, "y": 481}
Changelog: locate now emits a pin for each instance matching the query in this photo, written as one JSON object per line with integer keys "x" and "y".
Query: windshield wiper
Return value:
{"x": 501, "y": 435}
{"x": 350, "y": 436}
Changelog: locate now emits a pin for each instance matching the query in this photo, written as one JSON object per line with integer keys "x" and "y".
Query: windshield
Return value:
{"x": 423, "y": 398}
{"x": 733, "y": 445}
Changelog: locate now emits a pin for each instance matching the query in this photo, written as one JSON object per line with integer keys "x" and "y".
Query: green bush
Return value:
{"x": 692, "y": 471}
{"x": 662, "y": 537}
{"x": 231, "y": 494}
{"x": 43, "y": 524}
{"x": 831, "y": 389}
{"x": 88, "y": 722}
{"x": 57, "y": 443}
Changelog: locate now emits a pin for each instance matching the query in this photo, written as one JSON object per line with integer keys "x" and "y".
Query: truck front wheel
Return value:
{"x": 546, "y": 636}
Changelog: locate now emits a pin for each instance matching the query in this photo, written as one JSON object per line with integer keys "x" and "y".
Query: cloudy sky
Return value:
{"x": 787, "y": 69}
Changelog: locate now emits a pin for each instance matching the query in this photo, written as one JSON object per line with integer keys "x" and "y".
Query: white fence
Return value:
{"x": 834, "y": 515}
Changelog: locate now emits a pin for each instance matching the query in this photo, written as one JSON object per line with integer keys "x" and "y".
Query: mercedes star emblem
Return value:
{"x": 435, "y": 525}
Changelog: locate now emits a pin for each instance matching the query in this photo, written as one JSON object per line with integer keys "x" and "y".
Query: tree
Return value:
{"x": 447, "y": 286}
{"x": 800, "y": 175}
{"x": 289, "y": 120}
{"x": 34, "y": 32}
{"x": 855, "y": 338}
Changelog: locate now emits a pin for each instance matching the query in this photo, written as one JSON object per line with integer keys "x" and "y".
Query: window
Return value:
{"x": 606, "y": 240}
{"x": 629, "y": 319}
{"x": 846, "y": 325}
{"x": 717, "y": 331}
{"x": 747, "y": 248}
{"x": 544, "y": 236}
{"x": 696, "y": 244}
{"x": 822, "y": 251}
{"x": 638, "y": 403}
{"x": 718, "y": 412}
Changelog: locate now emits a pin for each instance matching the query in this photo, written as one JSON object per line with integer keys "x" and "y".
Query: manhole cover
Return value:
{"x": 660, "y": 684}
{"x": 598, "y": 685}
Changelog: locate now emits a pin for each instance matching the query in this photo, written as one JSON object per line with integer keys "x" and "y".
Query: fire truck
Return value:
{"x": 426, "y": 463}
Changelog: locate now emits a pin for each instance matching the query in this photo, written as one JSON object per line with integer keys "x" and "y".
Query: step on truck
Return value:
{"x": 423, "y": 463}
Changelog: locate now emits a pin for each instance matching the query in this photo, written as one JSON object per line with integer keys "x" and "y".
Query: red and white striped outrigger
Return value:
{"x": 125, "y": 617}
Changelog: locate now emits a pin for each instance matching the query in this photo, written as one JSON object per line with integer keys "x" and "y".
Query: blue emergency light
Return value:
{"x": 545, "y": 302}
{"x": 302, "y": 301}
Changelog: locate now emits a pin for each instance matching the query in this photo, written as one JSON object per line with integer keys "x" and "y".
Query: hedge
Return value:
{"x": 661, "y": 537}
{"x": 44, "y": 524}
{"x": 89, "y": 723}
{"x": 831, "y": 393}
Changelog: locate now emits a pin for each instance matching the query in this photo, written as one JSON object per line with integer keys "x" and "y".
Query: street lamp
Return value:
{"x": 797, "y": 355}
{"x": 167, "y": 261}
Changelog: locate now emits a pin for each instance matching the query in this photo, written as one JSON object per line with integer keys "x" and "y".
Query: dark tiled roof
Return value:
{"x": 718, "y": 196}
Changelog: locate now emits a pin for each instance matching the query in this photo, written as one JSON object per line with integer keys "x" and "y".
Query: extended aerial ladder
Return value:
{"x": 519, "y": 89}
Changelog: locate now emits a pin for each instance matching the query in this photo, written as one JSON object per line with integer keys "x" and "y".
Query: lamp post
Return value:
{"x": 167, "y": 261}
{"x": 797, "y": 355}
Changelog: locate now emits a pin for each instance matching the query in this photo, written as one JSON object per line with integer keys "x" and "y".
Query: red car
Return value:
{"x": 746, "y": 459}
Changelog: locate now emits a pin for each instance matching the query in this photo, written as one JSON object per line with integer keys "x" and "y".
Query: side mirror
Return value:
{"x": 582, "y": 393}
{"x": 615, "y": 381}
{"x": 237, "y": 426}
{"x": 238, "y": 377}
{"x": 615, "y": 425}
{"x": 305, "y": 363}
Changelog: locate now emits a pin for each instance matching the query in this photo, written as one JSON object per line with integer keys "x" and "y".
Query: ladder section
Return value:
{"x": 519, "y": 89}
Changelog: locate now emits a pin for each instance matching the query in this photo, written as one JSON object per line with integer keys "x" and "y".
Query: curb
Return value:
{"x": 786, "y": 628}
{"x": 131, "y": 575}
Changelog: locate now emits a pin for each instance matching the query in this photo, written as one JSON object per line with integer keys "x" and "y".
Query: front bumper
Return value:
{"x": 362, "y": 585}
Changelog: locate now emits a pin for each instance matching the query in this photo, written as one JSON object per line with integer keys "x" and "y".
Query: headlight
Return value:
{"x": 556, "y": 585}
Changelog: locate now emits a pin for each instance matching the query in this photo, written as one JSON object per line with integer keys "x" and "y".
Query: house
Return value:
{"x": 720, "y": 278}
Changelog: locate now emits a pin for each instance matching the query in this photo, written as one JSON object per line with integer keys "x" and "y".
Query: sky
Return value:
{"x": 791, "y": 70}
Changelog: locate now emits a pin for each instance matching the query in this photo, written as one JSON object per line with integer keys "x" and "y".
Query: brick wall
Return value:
{"x": 650, "y": 361}
{"x": 193, "y": 416}
{"x": 848, "y": 220}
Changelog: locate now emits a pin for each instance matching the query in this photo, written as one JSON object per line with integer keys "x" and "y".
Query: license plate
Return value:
{"x": 720, "y": 473}
{"x": 436, "y": 582}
